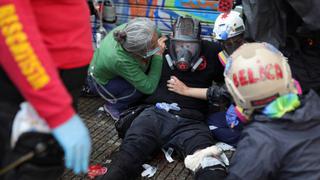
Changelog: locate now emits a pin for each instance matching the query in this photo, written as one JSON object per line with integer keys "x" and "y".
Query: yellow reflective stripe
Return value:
{"x": 7, "y": 12}
{"x": 21, "y": 49}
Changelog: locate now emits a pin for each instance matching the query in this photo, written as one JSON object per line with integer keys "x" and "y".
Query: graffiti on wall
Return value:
{"x": 164, "y": 11}
{"x": 204, "y": 10}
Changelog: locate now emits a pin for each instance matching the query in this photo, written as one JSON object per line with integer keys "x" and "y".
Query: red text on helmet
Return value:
{"x": 248, "y": 76}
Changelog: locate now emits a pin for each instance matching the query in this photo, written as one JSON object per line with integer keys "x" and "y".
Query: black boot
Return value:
{"x": 216, "y": 172}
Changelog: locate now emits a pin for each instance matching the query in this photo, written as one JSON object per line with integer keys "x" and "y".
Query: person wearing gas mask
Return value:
{"x": 281, "y": 139}
{"x": 228, "y": 31}
{"x": 42, "y": 67}
{"x": 174, "y": 120}
{"x": 127, "y": 65}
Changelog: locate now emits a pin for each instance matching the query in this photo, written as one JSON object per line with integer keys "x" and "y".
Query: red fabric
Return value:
{"x": 225, "y": 6}
{"x": 65, "y": 27}
{"x": 96, "y": 170}
{"x": 36, "y": 38}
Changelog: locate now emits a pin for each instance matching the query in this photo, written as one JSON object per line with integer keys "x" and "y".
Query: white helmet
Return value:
{"x": 256, "y": 74}
{"x": 228, "y": 25}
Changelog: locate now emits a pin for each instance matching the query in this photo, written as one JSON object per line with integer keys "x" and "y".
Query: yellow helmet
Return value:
{"x": 256, "y": 74}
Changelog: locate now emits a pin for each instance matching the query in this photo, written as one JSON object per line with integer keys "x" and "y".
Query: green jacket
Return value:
{"x": 111, "y": 60}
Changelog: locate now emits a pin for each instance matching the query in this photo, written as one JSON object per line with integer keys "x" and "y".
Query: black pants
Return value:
{"x": 154, "y": 129}
{"x": 74, "y": 79}
{"x": 10, "y": 99}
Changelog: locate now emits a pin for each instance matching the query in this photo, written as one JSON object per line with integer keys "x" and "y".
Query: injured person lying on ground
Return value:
{"x": 174, "y": 120}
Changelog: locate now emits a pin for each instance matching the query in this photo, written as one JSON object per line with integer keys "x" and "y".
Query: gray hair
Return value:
{"x": 137, "y": 35}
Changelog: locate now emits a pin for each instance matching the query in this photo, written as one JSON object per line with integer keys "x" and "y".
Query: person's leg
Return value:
{"x": 73, "y": 80}
{"x": 221, "y": 131}
{"x": 105, "y": 94}
{"x": 216, "y": 172}
{"x": 118, "y": 93}
{"x": 7, "y": 113}
{"x": 88, "y": 90}
{"x": 125, "y": 93}
{"x": 193, "y": 136}
{"x": 10, "y": 98}
{"x": 140, "y": 142}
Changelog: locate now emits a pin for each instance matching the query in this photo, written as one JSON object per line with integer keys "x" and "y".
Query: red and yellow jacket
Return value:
{"x": 38, "y": 37}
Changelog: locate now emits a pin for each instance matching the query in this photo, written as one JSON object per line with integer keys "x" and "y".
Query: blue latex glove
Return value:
{"x": 73, "y": 136}
{"x": 231, "y": 117}
{"x": 167, "y": 107}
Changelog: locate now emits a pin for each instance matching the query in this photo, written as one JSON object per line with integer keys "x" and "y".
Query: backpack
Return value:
{"x": 126, "y": 118}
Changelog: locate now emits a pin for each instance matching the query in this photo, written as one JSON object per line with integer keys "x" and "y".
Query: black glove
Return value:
{"x": 218, "y": 95}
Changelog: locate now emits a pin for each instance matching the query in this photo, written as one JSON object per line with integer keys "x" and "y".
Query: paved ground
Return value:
{"x": 106, "y": 141}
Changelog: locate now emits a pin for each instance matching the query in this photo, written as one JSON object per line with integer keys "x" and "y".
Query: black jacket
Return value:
{"x": 293, "y": 26}
{"x": 200, "y": 78}
{"x": 273, "y": 21}
{"x": 286, "y": 148}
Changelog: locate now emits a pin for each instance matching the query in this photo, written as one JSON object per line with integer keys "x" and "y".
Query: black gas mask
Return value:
{"x": 184, "y": 50}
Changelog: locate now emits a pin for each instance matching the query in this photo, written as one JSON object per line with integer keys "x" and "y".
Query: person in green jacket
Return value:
{"x": 127, "y": 65}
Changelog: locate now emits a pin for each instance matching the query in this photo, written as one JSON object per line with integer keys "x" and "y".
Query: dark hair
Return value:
{"x": 120, "y": 36}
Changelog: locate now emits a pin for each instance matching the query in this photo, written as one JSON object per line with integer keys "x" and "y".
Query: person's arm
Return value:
{"x": 177, "y": 86}
{"x": 145, "y": 83}
{"x": 26, "y": 60}
{"x": 214, "y": 94}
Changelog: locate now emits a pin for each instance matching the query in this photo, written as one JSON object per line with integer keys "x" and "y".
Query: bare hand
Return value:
{"x": 177, "y": 86}
{"x": 162, "y": 45}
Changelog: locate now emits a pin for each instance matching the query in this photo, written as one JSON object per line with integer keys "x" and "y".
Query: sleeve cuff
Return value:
{"x": 58, "y": 119}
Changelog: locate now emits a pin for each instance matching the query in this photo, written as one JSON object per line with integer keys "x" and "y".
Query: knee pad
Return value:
{"x": 207, "y": 157}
